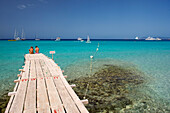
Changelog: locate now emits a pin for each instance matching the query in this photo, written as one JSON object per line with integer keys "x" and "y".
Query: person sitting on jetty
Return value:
{"x": 31, "y": 50}
{"x": 36, "y": 50}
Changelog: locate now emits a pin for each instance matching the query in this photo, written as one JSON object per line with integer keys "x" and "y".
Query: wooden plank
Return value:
{"x": 15, "y": 89}
{"x": 55, "y": 102}
{"x": 27, "y": 57}
{"x": 76, "y": 99}
{"x": 42, "y": 99}
{"x": 68, "y": 103}
{"x": 18, "y": 102}
{"x": 12, "y": 97}
{"x": 30, "y": 101}
{"x": 70, "y": 90}
{"x": 53, "y": 91}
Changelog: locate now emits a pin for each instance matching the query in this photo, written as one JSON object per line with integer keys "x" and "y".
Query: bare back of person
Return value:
{"x": 31, "y": 51}
{"x": 36, "y": 50}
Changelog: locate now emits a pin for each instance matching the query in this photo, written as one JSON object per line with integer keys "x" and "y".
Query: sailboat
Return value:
{"x": 37, "y": 39}
{"x": 88, "y": 39}
{"x": 58, "y": 39}
{"x": 15, "y": 34}
{"x": 22, "y": 35}
{"x": 17, "y": 37}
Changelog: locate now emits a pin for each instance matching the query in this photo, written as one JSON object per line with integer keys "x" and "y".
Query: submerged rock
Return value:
{"x": 3, "y": 102}
{"x": 107, "y": 89}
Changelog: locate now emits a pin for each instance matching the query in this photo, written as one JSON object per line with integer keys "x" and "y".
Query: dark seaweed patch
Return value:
{"x": 108, "y": 88}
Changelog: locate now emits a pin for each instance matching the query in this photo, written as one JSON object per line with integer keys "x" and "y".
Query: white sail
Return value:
{"x": 15, "y": 34}
{"x": 88, "y": 39}
{"x": 17, "y": 37}
{"x": 22, "y": 35}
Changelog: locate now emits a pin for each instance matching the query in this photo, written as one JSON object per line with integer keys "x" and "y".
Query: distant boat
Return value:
{"x": 12, "y": 40}
{"x": 158, "y": 39}
{"x": 80, "y": 39}
{"x": 22, "y": 35}
{"x": 17, "y": 39}
{"x": 88, "y": 40}
{"x": 37, "y": 39}
{"x": 23, "y": 39}
{"x": 58, "y": 39}
{"x": 15, "y": 35}
{"x": 137, "y": 38}
{"x": 151, "y": 38}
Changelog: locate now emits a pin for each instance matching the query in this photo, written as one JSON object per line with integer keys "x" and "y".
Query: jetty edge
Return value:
{"x": 41, "y": 87}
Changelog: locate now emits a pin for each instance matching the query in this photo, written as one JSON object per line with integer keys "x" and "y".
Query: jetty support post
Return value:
{"x": 85, "y": 101}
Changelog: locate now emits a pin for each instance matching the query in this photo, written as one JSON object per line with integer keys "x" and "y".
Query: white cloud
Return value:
{"x": 22, "y": 6}
{"x": 30, "y": 5}
{"x": 43, "y": 1}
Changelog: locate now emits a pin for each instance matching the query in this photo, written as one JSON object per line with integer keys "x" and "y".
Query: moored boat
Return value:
{"x": 58, "y": 39}
{"x": 23, "y": 35}
{"x": 151, "y": 38}
{"x": 80, "y": 39}
{"x": 15, "y": 35}
{"x": 137, "y": 38}
{"x": 88, "y": 39}
{"x": 12, "y": 40}
{"x": 37, "y": 39}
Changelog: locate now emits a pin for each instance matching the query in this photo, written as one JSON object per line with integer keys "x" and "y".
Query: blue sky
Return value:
{"x": 108, "y": 19}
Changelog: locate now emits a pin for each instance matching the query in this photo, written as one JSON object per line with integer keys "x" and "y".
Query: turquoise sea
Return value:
{"x": 150, "y": 57}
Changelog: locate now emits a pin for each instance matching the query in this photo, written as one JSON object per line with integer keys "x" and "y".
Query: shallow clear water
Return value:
{"x": 152, "y": 58}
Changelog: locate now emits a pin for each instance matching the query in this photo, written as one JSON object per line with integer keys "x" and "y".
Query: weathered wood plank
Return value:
{"x": 42, "y": 98}
{"x": 68, "y": 103}
{"x": 12, "y": 97}
{"x": 30, "y": 101}
{"x": 44, "y": 89}
{"x": 15, "y": 89}
{"x": 70, "y": 90}
{"x": 55, "y": 101}
{"x": 18, "y": 102}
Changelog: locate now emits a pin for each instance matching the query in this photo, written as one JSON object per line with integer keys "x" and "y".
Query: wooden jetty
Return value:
{"x": 41, "y": 87}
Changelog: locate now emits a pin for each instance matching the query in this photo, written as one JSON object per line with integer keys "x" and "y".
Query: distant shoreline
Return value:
{"x": 96, "y": 40}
